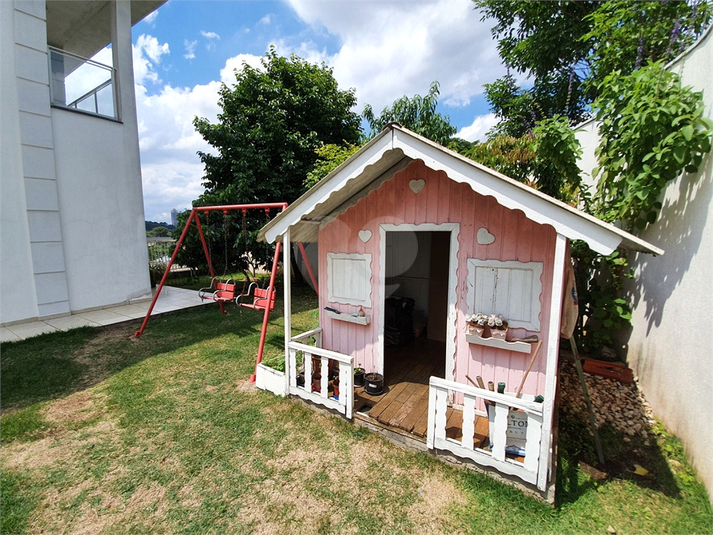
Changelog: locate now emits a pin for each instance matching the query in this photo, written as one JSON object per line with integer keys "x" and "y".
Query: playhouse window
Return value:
{"x": 509, "y": 288}
{"x": 349, "y": 278}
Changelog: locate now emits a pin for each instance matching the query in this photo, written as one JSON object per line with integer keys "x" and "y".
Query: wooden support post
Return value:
{"x": 592, "y": 421}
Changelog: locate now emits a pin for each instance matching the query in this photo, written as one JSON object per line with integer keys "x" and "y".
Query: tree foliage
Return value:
{"x": 651, "y": 130}
{"x": 545, "y": 159}
{"x": 159, "y": 232}
{"x": 272, "y": 120}
{"x": 565, "y": 47}
{"x": 417, "y": 114}
{"x": 610, "y": 56}
{"x": 329, "y": 157}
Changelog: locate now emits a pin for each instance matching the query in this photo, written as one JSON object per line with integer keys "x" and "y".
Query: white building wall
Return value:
{"x": 17, "y": 287}
{"x": 668, "y": 347}
{"x": 72, "y": 233}
{"x": 100, "y": 193}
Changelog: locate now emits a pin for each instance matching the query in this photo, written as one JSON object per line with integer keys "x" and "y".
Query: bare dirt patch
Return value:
{"x": 437, "y": 495}
{"x": 59, "y": 449}
{"x": 76, "y": 408}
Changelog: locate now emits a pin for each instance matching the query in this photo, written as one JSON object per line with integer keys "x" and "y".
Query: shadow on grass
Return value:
{"x": 56, "y": 364}
{"x": 580, "y": 472}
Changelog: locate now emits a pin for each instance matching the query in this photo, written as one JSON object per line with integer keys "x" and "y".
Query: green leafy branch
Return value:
{"x": 652, "y": 130}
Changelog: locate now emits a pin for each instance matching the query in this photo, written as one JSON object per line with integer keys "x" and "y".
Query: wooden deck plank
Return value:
{"x": 404, "y": 404}
{"x": 419, "y": 408}
{"x": 395, "y": 391}
{"x": 407, "y": 406}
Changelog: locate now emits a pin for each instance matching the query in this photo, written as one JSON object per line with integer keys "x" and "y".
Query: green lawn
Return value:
{"x": 163, "y": 434}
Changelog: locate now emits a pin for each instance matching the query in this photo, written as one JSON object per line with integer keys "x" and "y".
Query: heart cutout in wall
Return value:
{"x": 484, "y": 237}
{"x": 365, "y": 235}
{"x": 417, "y": 185}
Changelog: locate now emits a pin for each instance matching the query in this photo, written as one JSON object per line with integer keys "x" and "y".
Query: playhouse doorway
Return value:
{"x": 415, "y": 287}
{"x": 415, "y": 305}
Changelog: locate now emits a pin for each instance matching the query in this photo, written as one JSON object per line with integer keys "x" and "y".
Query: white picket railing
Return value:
{"x": 439, "y": 393}
{"x": 345, "y": 403}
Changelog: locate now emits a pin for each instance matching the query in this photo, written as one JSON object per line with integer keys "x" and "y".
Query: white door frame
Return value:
{"x": 454, "y": 230}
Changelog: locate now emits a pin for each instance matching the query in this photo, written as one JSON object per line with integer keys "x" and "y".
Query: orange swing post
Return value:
{"x": 193, "y": 217}
{"x": 266, "y": 314}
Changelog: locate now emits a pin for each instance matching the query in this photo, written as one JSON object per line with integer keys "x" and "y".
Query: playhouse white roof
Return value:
{"x": 393, "y": 149}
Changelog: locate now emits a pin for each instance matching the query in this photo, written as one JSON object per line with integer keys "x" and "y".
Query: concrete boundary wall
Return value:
{"x": 668, "y": 346}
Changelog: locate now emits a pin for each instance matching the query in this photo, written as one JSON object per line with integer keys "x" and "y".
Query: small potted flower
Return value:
{"x": 498, "y": 326}
{"x": 476, "y": 323}
{"x": 359, "y": 376}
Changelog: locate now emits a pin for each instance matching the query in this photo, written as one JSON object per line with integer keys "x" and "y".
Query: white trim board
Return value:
{"x": 451, "y": 331}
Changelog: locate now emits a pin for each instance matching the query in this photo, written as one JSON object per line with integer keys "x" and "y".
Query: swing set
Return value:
{"x": 223, "y": 291}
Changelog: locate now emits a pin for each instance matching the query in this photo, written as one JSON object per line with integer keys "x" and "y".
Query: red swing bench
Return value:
{"x": 219, "y": 291}
{"x": 260, "y": 299}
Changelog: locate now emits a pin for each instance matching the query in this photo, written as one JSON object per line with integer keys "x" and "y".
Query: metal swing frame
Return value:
{"x": 269, "y": 292}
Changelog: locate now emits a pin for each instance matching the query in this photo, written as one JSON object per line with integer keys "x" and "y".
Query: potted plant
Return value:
{"x": 316, "y": 382}
{"x": 359, "y": 376}
{"x": 477, "y": 323}
{"x": 335, "y": 388}
{"x": 498, "y": 326}
{"x": 374, "y": 383}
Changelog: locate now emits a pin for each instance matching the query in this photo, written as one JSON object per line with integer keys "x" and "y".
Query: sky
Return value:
{"x": 385, "y": 49}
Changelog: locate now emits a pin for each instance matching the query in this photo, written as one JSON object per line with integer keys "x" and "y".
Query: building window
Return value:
{"x": 509, "y": 288}
{"x": 349, "y": 278}
{"x": 82, "y": 84}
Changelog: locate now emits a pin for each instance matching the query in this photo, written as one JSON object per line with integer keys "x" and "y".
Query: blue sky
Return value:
{"x": 383, "y": 48}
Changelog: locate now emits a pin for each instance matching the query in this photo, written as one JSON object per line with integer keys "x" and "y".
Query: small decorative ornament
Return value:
{"x": 365, "y": 235}
{"x": 484, "y": 237}
{"x": 417, "y": 185}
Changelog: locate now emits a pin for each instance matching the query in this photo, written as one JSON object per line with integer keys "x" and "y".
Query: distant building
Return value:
{"x": 174, "y": 218}
{"x": 72, "y": 201}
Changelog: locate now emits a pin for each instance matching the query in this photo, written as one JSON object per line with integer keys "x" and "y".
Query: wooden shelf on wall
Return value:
{"x": 359, "y": 320}
{"x": 520, "y": 347}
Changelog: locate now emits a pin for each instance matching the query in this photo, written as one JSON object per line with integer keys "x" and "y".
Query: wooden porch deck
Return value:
{"x": 404, "y": 403}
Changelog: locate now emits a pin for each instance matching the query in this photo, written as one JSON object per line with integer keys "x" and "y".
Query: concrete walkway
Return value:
{"x": 171, "y": 299}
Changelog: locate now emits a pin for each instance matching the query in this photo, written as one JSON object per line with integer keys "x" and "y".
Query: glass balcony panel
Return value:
{"x": 82, "y": 84}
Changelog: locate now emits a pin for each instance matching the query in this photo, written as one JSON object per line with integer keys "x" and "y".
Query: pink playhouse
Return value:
{"x": 414, "y": 240}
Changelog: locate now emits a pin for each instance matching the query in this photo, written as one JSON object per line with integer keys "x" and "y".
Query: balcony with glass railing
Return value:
{"x": 82, "y": 84}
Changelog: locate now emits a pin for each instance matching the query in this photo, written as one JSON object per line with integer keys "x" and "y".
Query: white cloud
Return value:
{"x": 151, "y": 18}
{"x": 386, "y": 49}
{"x": 391, "y": 49}
{"x": 146, "y": 52}
{"x": 227, "y": 73}
{"x": 479, "y": 128}
{"x": 170, "y": 167}
{"x": 190, "y": 47}
{"x": 210, "y": 35}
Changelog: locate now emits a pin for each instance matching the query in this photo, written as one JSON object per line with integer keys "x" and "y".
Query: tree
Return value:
{"x": 273, "y": 119}
{"x": 417, "y": 114}
{"x": 159, "y": 232}
{"x": 329, "y": 158}
{"x": 651, "y": 128}
{"x": 565, "y": 47}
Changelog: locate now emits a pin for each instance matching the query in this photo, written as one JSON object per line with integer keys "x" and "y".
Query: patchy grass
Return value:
{"x": 164, "y": 434}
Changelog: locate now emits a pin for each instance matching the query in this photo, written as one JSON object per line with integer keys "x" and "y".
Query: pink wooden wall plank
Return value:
{"x": 441, "y": 201}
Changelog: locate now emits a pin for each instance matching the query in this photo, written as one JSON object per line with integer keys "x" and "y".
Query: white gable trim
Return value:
{"x": 536, "y": 206}
{"x": 335, "y": 181}
{"x": 395, "y": 143}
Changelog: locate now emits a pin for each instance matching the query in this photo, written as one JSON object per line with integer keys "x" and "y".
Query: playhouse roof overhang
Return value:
{"x": 394, "y": 149}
